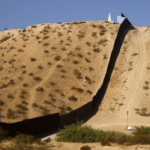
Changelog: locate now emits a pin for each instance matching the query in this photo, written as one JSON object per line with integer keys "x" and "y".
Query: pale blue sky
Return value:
{"x": 18, "y": 14}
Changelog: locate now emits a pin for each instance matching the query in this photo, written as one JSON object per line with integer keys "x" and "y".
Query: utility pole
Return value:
{"x": 127, "y": 118}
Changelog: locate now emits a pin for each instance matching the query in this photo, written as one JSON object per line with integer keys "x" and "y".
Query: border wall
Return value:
{"x": 52, "y": 122}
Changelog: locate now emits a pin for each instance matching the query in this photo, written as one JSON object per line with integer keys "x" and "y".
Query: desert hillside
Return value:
{"x": 129, "y": 86}
{"x": 51, "y": 68}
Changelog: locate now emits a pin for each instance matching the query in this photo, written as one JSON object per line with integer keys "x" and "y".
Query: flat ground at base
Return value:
{"x": 95, "y": 146}
{"x": 116, "y": 122}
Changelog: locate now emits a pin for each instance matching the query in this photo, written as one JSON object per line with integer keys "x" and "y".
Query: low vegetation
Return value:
{"x": 4, "y": 39}
{"x": 86, "y": 134}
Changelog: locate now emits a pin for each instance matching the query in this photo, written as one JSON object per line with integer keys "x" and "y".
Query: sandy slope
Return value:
{"x": 126, "y": 88}
{"x": 61, "y": 60}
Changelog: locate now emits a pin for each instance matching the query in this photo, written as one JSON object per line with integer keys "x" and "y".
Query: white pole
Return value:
{"x": 127, "y": 119}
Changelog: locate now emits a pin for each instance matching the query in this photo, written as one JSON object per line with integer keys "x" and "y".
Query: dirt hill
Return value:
{"x": 51, "y": 68}
{"x": 129, "y": 86}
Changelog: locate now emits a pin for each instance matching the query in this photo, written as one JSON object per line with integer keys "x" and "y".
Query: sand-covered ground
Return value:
{"x": 51, "y": 68}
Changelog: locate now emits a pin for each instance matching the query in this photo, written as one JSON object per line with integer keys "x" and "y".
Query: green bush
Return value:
{"x": 4, "y": 39}
{"x": 3, "y": 134}
{"x": 21, "y": 141}
{"x": 73, "y": 98}
{"x": 85, "y": 134}
{"x": 86, "y": 147}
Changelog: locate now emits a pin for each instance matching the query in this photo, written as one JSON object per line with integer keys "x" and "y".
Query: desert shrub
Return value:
{"x": 10, "y": 95}
{"x": 22, "y": 107}
{"x": 31, "y": 74}
{"x": 4, "y": 39}
{"x": 145, "y": 87}
{"x": 101, "y": 27}
{"x": 53, "y": 99}
{"x": 134, "y": 54}
{"x": 96, "y": 50}
{"x": 25, "y": 84}
{"x": 80, "y": 55}
{"x": 94, "y": 34}
{"x": 104, "y": 56}
{"x": 45, "y": 37}
{"x": 103, "y": 31}
{"x": 34, "y": 105}
{"x": 57, "y": 58}
{"x": 37, "y": 37}
{"x": 24, "y": 102}
{"x": 68, "y": 108}
{"x": 1, "y": 103}
{"x": 91, "y": 68}
{"x": 63, "y": 48}
{"x": 11, "y": 82}
{"x": 80, "y": 35}
{"x": 46, "y": 51}
{"x": 45, "y": 44}
{"x": 53, "y": 47}
{"x": 89, "y": 92}
{"x": 40, "y": 89}
{"x": 148, "y": 68}
{"x": 24, "y": 71}
{"x": 48, "y": 102}
{"x": 78, "y": 74}
{"x": 52, "y": 83}
{"x": 60, "y": 34}
{"x": 23, "y": 66}
{"x": 102, "y": 41}
{"x": 88, "y": 43}
{"x": 146, "y": 82}
{"x": 73, "y": 98}
{"x": 10, "y": 114}
{"x": 21, "y": 141}
{"x": 63, "y": 71}
{"x": 120, "y": 104}
{"x": 20, "y": 50}
{"x": 94, "y": 26}
{"x": 87, "y": 60}
{"x": 77, "y": 48}
{"x": 57, "y": 90}
{"x": 40, "y": 67}
{"x": 3, "y": 134}
{"x": 59, "y": 66}
{"x": 49, "y": 63}
{"x": 75, "y": 62}
{"x": 88, "y": 79}
{"x": 37, "y": 78}
{"x": 32, "y": 59}
{"x": 86, "y": 147}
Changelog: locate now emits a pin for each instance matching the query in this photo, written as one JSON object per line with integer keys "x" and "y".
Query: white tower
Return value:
{"x": 109, "y": 17}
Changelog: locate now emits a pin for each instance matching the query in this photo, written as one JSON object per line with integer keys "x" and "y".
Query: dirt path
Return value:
{"x": 136, "y": 77}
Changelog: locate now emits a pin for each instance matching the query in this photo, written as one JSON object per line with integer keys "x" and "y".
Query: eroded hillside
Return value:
{"x": 50, "y": 68}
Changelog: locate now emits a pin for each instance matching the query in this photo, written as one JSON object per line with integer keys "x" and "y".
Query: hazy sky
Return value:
{"x": 18, "y": 14}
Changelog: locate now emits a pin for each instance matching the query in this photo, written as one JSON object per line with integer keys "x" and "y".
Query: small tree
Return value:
{"x": 22, "y": 140}
{"x": 3, "y": 133}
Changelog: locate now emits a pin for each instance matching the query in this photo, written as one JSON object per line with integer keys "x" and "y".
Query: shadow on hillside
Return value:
{"x": 101, "y": 92}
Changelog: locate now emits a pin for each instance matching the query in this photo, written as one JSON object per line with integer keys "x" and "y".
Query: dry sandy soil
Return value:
{"x": 128, "y": 89}
{"x": 53, "y": 145}
{"x": 51, "y": 68}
